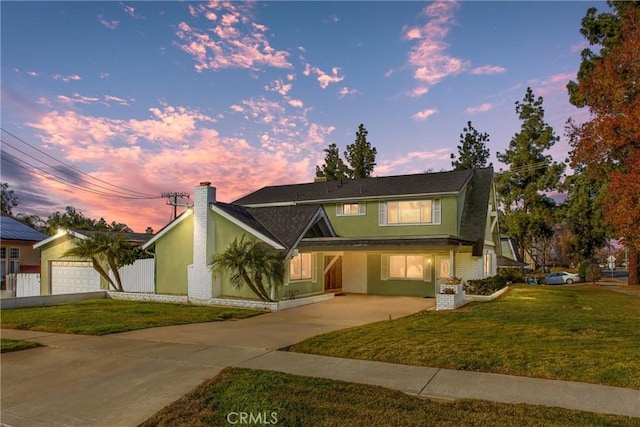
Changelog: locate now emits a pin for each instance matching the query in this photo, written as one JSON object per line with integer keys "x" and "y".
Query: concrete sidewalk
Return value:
{"x": 120, "y": 380}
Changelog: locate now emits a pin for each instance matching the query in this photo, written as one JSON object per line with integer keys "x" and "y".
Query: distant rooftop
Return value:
{"x": 12, "y": 229}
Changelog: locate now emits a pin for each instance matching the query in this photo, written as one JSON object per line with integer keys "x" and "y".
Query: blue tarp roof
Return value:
{"x": 12, "y": 229}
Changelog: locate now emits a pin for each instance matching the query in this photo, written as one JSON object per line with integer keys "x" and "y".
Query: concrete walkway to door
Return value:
{"x": 122, "y": 379}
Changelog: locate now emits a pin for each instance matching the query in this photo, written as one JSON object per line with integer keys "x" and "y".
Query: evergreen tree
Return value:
{"x": 472, "y": 151}
{"x": 531, "y": 173}
{"x": 333, "y": 168}
{"x": 360, "y": 155}
{"x": 582, "y": 212}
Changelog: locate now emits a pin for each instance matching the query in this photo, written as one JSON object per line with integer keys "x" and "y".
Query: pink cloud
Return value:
{"x": 233, "y": 41}
{"x": 418, "y": 91}
{"x": 553, "y": 84}
{"x": 424, "y": 114}
{"x": 279, "y": 86}
{"x": 345, "y": 91}
{"x": 478, "y": 109}
{"x": 130, "y": 10}
{"x": 489, "y": 69}
{"x": 324, "y": 79}
{"x": 296, "y": 103}
{"x": 172, "y": 150}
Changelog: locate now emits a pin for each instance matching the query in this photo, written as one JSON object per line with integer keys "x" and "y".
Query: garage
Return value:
{"x": 68, "y": 277}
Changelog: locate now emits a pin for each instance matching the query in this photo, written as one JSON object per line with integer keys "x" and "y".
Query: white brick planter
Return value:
{"x": 450, "y": 301}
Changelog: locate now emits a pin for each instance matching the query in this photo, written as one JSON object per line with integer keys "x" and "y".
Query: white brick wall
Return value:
{"x": 200, "y": 281}
{"x": 468, "y": 267}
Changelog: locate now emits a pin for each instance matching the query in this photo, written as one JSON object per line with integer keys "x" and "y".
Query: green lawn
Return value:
{"x": 291, "y": 400}
{"x": 578, "y": 333}
{"x": 8, "y": 345}
{"x": 107, "y": 316}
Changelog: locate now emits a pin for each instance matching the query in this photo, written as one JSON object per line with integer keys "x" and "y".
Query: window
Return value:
{"x": 3, "y": 253}
{"x": 410, "y": 212}
{"x": 14, "y": 253}
{"x": 411, "y": 267}
{"x": 347, "y": 209}
{"x": 300, "y": 267}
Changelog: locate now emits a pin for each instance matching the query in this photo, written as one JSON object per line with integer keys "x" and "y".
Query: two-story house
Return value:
{"x": 395, "y": 235}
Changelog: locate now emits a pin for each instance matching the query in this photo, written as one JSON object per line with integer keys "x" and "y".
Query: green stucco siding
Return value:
{"x": 368, "y": 224}
{"x": 174, "y": 252}
{"x": 225, "y": 233}
{"x": 377, "y": 286}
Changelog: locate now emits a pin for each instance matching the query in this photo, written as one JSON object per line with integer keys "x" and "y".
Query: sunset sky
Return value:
{"x": 132, "y": 99}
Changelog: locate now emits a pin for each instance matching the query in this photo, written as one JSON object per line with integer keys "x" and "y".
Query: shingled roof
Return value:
{"x": 474, "y": 213}
{"x": 387, "y": 186}
{"x": 284, "y": 224}
{"x": 12, "y": 229}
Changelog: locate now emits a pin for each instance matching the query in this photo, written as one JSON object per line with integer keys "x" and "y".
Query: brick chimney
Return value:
{"x": 200, "y": 283}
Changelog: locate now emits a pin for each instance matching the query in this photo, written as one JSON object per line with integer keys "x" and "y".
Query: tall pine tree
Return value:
{"x": 360, "y": 155}
{"x": 472, "y": 151}
{"x": 531, "y": 173}
{"x": 333, "y": 168}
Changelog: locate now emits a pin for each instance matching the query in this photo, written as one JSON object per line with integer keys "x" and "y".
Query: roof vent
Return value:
{"x": 205, "y": 184}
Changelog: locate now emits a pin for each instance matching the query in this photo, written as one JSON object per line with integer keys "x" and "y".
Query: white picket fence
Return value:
{"x": 138, "y": 277}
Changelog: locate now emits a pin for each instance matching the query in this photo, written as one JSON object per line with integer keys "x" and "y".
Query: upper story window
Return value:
{"x": 410, "y": 212}
{"x": 300, "y": 267}
{"x": 347, "y": 209}
{"x": 14, "y": 253}
{"x": 3, "y": 253}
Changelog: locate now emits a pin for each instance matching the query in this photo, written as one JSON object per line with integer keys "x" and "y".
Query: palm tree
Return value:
{"x": 109, "y": 248}
{"x": 251, "y": 263}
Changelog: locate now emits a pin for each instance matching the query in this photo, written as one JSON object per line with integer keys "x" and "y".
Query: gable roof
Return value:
{"x": 138, "y": 238}
{"x": 365, "y": 188}
{"x": 284, "y": 224}
{"x": 12, "y": 229}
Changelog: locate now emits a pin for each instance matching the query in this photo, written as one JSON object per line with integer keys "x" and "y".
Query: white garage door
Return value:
{"x": 69, "y": 277}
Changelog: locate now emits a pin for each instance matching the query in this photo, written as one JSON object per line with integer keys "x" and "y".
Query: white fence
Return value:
{"x": 138, "y": 277}
{"x": 22, "y": 285}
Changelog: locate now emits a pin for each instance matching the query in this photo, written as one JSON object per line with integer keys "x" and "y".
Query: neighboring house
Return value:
{"x": 17, "y": 254}
{"x": 63, "y": 275}
{"x": 510, "y": 257}
{"x": 397, "y": 235}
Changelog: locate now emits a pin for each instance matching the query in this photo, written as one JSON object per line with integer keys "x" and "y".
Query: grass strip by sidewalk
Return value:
{"x": 8, "y": 345}
{"x": 290, "y": 400}
{"x": 575, "y": 333}
{"x": 107, "y": 316}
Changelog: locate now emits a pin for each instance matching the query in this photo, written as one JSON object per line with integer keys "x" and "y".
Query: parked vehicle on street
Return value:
{"x": 561, "y": 277}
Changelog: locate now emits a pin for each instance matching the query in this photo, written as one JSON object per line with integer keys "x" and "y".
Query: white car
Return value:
{"x": 561, "y": 277}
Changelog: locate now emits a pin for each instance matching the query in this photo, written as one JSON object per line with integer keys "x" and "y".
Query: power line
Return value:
{"x": 63, "y": 178}
{"x": 73, "y": 167}
{"x": 71, "y": 183}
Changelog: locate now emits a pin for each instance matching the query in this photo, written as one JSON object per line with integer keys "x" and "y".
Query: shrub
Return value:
{"x": 594, "y": 273}
{"x": 486, "y": 286}
{"x": 513, "y": 275}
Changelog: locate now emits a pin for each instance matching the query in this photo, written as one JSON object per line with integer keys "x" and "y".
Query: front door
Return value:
{"x": 332, "y": 273}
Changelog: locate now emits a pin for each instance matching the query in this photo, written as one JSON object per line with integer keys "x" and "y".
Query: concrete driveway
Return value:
{"x": 122, "y": 379}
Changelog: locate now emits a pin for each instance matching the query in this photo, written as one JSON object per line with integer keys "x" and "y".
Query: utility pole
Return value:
{"x": 173, "y": 201}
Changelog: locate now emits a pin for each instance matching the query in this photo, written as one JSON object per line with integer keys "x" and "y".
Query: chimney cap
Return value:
{"x": 205, "y": 184}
